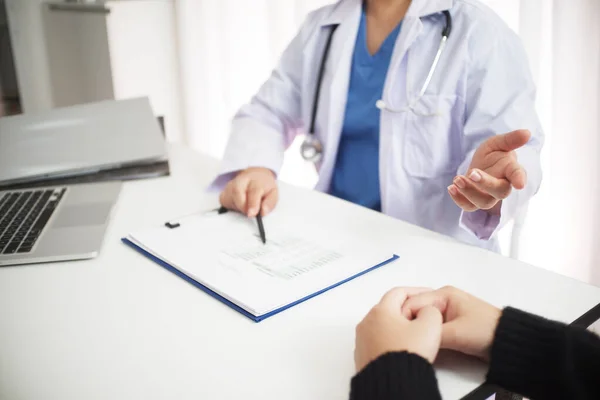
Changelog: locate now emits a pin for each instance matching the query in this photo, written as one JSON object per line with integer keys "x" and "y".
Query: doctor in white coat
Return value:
{"x": 424, "y": 111}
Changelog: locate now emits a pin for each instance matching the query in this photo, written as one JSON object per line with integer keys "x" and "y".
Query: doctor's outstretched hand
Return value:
{"x": 493, "y": 173}
{"x": 252, "y": 191}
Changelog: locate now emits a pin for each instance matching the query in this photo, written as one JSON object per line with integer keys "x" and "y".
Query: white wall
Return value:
{"x": 145, "y": 59}
{"x": 595, "y": 273}
{"x": 562, "y": 232}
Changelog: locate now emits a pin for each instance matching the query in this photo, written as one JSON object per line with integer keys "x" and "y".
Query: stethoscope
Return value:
{"x": 312, "y": 148}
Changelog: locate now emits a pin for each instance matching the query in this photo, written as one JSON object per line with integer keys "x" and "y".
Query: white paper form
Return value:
{"x": 224, "y": 253}
{"x": 284, "y": 257}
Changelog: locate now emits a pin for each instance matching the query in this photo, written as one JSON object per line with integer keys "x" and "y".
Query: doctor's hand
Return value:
{"x": 253, "y": 190}
{"x": 469, "y": 323}
{"x": 493, "y": 173}
{"x": 385, "y": 330}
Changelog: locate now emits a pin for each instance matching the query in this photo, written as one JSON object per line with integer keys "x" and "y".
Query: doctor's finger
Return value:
{"x": 508, "y": 141}
{"x": 254, "y": 198}
{"x": 482, "y": 200}
{"x": 225, "y": 199}
{"x": 269, "y": 201}
{"x": 498, "y": 188}
{"x": 516, "y": 175}
{"x": 238, "y": 195}
{"x": 460, "y": 200}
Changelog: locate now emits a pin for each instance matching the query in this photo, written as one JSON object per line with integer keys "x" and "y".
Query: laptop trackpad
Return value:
{"x": 83, "y": 215}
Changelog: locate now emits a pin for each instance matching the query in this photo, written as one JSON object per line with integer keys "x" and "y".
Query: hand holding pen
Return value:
{"x": 252, "y": 192}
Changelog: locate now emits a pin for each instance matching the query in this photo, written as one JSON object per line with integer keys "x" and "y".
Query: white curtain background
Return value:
{"x": 227, "y": 48}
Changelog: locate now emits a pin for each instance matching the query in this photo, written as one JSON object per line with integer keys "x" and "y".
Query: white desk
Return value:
{"x": 122, "y": 327}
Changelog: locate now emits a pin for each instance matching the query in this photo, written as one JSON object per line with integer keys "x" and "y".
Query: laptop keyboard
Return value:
{"x": 23, "y": 216}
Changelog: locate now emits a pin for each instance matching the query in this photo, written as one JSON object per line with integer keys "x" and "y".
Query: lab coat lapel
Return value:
{"x": 396, "y": 82}
{"x": 411, "y": 29}
{"x": 335, "y": 89}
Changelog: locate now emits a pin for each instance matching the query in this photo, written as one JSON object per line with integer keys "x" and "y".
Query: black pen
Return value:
{"x": 261, "y": 228}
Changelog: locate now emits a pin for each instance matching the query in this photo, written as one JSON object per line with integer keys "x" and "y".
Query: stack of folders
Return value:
{"x": 222, "y": 254}
{"x": 111, "y": 140}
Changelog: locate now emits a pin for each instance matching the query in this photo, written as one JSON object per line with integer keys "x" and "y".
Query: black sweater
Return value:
{"x": 531, "y": 356}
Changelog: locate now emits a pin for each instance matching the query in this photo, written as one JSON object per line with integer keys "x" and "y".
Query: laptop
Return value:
{"x": 67, "y": 222}
{"x": 80, "y": 140}
{"x": 54, "y": 223}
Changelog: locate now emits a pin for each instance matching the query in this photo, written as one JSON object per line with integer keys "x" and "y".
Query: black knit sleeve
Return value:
{"x": 543, "y": 359}
{"x": 396, "y": 376}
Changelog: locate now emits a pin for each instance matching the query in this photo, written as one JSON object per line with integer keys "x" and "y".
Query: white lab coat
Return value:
{"x": 481, "y": 87}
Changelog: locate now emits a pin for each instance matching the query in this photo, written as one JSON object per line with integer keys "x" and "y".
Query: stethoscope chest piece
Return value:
{"x": 311, "y": 149}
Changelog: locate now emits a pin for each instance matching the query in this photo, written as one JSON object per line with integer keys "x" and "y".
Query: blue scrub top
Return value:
{"x": 356, "y": 173}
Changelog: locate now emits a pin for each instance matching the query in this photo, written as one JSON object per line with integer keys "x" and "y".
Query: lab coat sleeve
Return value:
{"x": 262, "y": 129}
{"x": 500, "y": 98}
